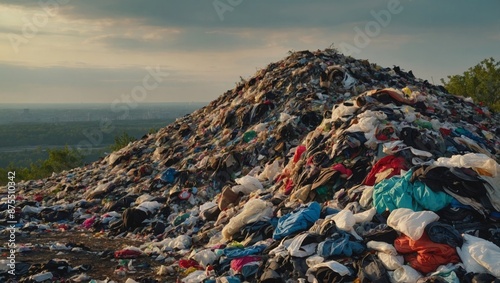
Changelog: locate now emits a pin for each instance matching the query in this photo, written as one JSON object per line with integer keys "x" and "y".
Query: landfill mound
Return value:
{"x": 319, "y": 168}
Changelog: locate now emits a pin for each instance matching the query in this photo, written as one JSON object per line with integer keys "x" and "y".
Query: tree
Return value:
{"x": 57, "y": 161}
{"x": 481, "y": 82}
{"x": 62, "y": 159}
{"x": 121, "y": 141}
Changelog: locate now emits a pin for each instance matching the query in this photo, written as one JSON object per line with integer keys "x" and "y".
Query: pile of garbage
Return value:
{"x": 319, "y": 168}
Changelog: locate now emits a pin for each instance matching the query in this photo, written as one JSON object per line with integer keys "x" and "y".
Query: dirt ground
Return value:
{"x": 102, "y": 265}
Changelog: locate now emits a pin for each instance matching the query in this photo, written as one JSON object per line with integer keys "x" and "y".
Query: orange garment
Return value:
{"x": 424, "y": 255}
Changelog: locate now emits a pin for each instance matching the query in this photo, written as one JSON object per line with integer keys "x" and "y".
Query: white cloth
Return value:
{"x": 480, "y": 256}
{"x": 411, "y": 223}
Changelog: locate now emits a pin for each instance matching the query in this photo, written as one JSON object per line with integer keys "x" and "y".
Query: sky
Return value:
{"x": 111, "y": 51}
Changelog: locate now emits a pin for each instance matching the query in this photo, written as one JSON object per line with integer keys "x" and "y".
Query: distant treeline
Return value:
{"x": 56, "y": 160}
{"x": 52, "y": 147}
{"x": 71, "y": 133}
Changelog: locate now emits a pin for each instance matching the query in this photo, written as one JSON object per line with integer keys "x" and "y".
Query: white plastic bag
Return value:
{"x": 391, "y": 262}
{"x": 342, "y": 111}
{"x": 205, "y": 257}
{"x": 195, "y": 277}
{"x": 480, "y": 256}
{"x": 207, "y": 205}
{"x": 284, "y": 117}
{"x": 344, "y": 220}
{"x": 406, "y": 274}
{"x": 260, "y": 127}
{"x": 250, "y": 184}
{"x": 477, "y": 161}
{"x": 181, "y": 242}
{"x": 254, "y": 210}
{"x": 382, "y": 247}
{"x": 410, "y": 223}
{"x": 271, "y": 171}
{"x": 366, "y": 197}
{"x": 365, "y": 216}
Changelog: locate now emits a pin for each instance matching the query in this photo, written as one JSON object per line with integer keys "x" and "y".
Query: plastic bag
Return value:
{"x": 271, "y": 171}
{"x": 207, "y": 205}
{"x": 180, "y": 242}
{"x": 205, "y": 257}
{"x": 344, "y": 220}
{"x": 284, "y": 117}
{"x": 260, "y": 127}
{"x": 382, "y": 247}
{"x": 480, "y": 256}
{"x": 483, "y": 164}
{"x": 365, "y": 216}
{"x": 411, "y": 223}
{"x": 391, "y": 262}
{"x": 406, "y": 274}
{"x": 195, "y": 277}
{"x": 342, "y": 111}
{"x": 254, "y": 210}
{"x": 366, "y": 197}
{"x": 249, "y": 183}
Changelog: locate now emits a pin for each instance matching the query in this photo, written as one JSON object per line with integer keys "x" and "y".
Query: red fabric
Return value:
{"x": 87, "y": 224}
{"x": 288, "y": 186}
{"x": 445, "y": 132}
{"x": 187, "y": 263}
{"x": 298, "y": 153}
{"x": 342, "y": 169}
{"x": 38, "y": 197}
{"x": 309, "y": 160}
{"x": 424, "y": 255}
{"x": 127, "y": 254}
{"x": 238, "y": 263}
{"x": 391, "y": 161}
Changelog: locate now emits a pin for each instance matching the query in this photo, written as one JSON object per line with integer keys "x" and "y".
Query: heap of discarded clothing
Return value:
{"x": 319, "y": 168}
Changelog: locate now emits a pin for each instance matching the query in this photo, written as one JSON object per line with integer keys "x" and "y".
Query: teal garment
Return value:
{"x": 448, "y": 276}
{"x": 399, "y": 192}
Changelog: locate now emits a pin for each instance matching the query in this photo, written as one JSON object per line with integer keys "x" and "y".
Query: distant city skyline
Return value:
{"x": 63, "y": 51}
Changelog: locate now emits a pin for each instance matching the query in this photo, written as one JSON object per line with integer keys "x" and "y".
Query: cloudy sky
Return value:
{"x": 193, "y": 50}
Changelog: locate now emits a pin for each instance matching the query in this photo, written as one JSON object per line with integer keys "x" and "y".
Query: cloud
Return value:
{"x": 189, "y": 13}
{"x": 200, "y": 39}
{"x": 280, "y": 13}
{"x": 57, "y": 83}
{"x": 95, "y": 50}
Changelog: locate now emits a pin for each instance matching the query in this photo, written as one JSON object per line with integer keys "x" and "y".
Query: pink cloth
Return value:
{"x": 238, "y": 263}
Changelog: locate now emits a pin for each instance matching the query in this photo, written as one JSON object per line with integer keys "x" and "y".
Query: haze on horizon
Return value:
{"x": 63, "y": 51}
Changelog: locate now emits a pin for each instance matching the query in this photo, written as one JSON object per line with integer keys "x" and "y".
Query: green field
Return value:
{"x": 22, "y": 144}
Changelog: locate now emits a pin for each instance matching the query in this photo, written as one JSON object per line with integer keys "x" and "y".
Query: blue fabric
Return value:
{"x": 456, "y": 203}
{"x": 249, "y": 269}
{"x": 399, "y": 192}
{"x": 230, "y": 279}
{"x": 168, "y": 175}
{"x": 297, "y": 221}
{"x": 339, "y": 245}
{"x": 464, "y": 132}
{"x": 232, "y": 253}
